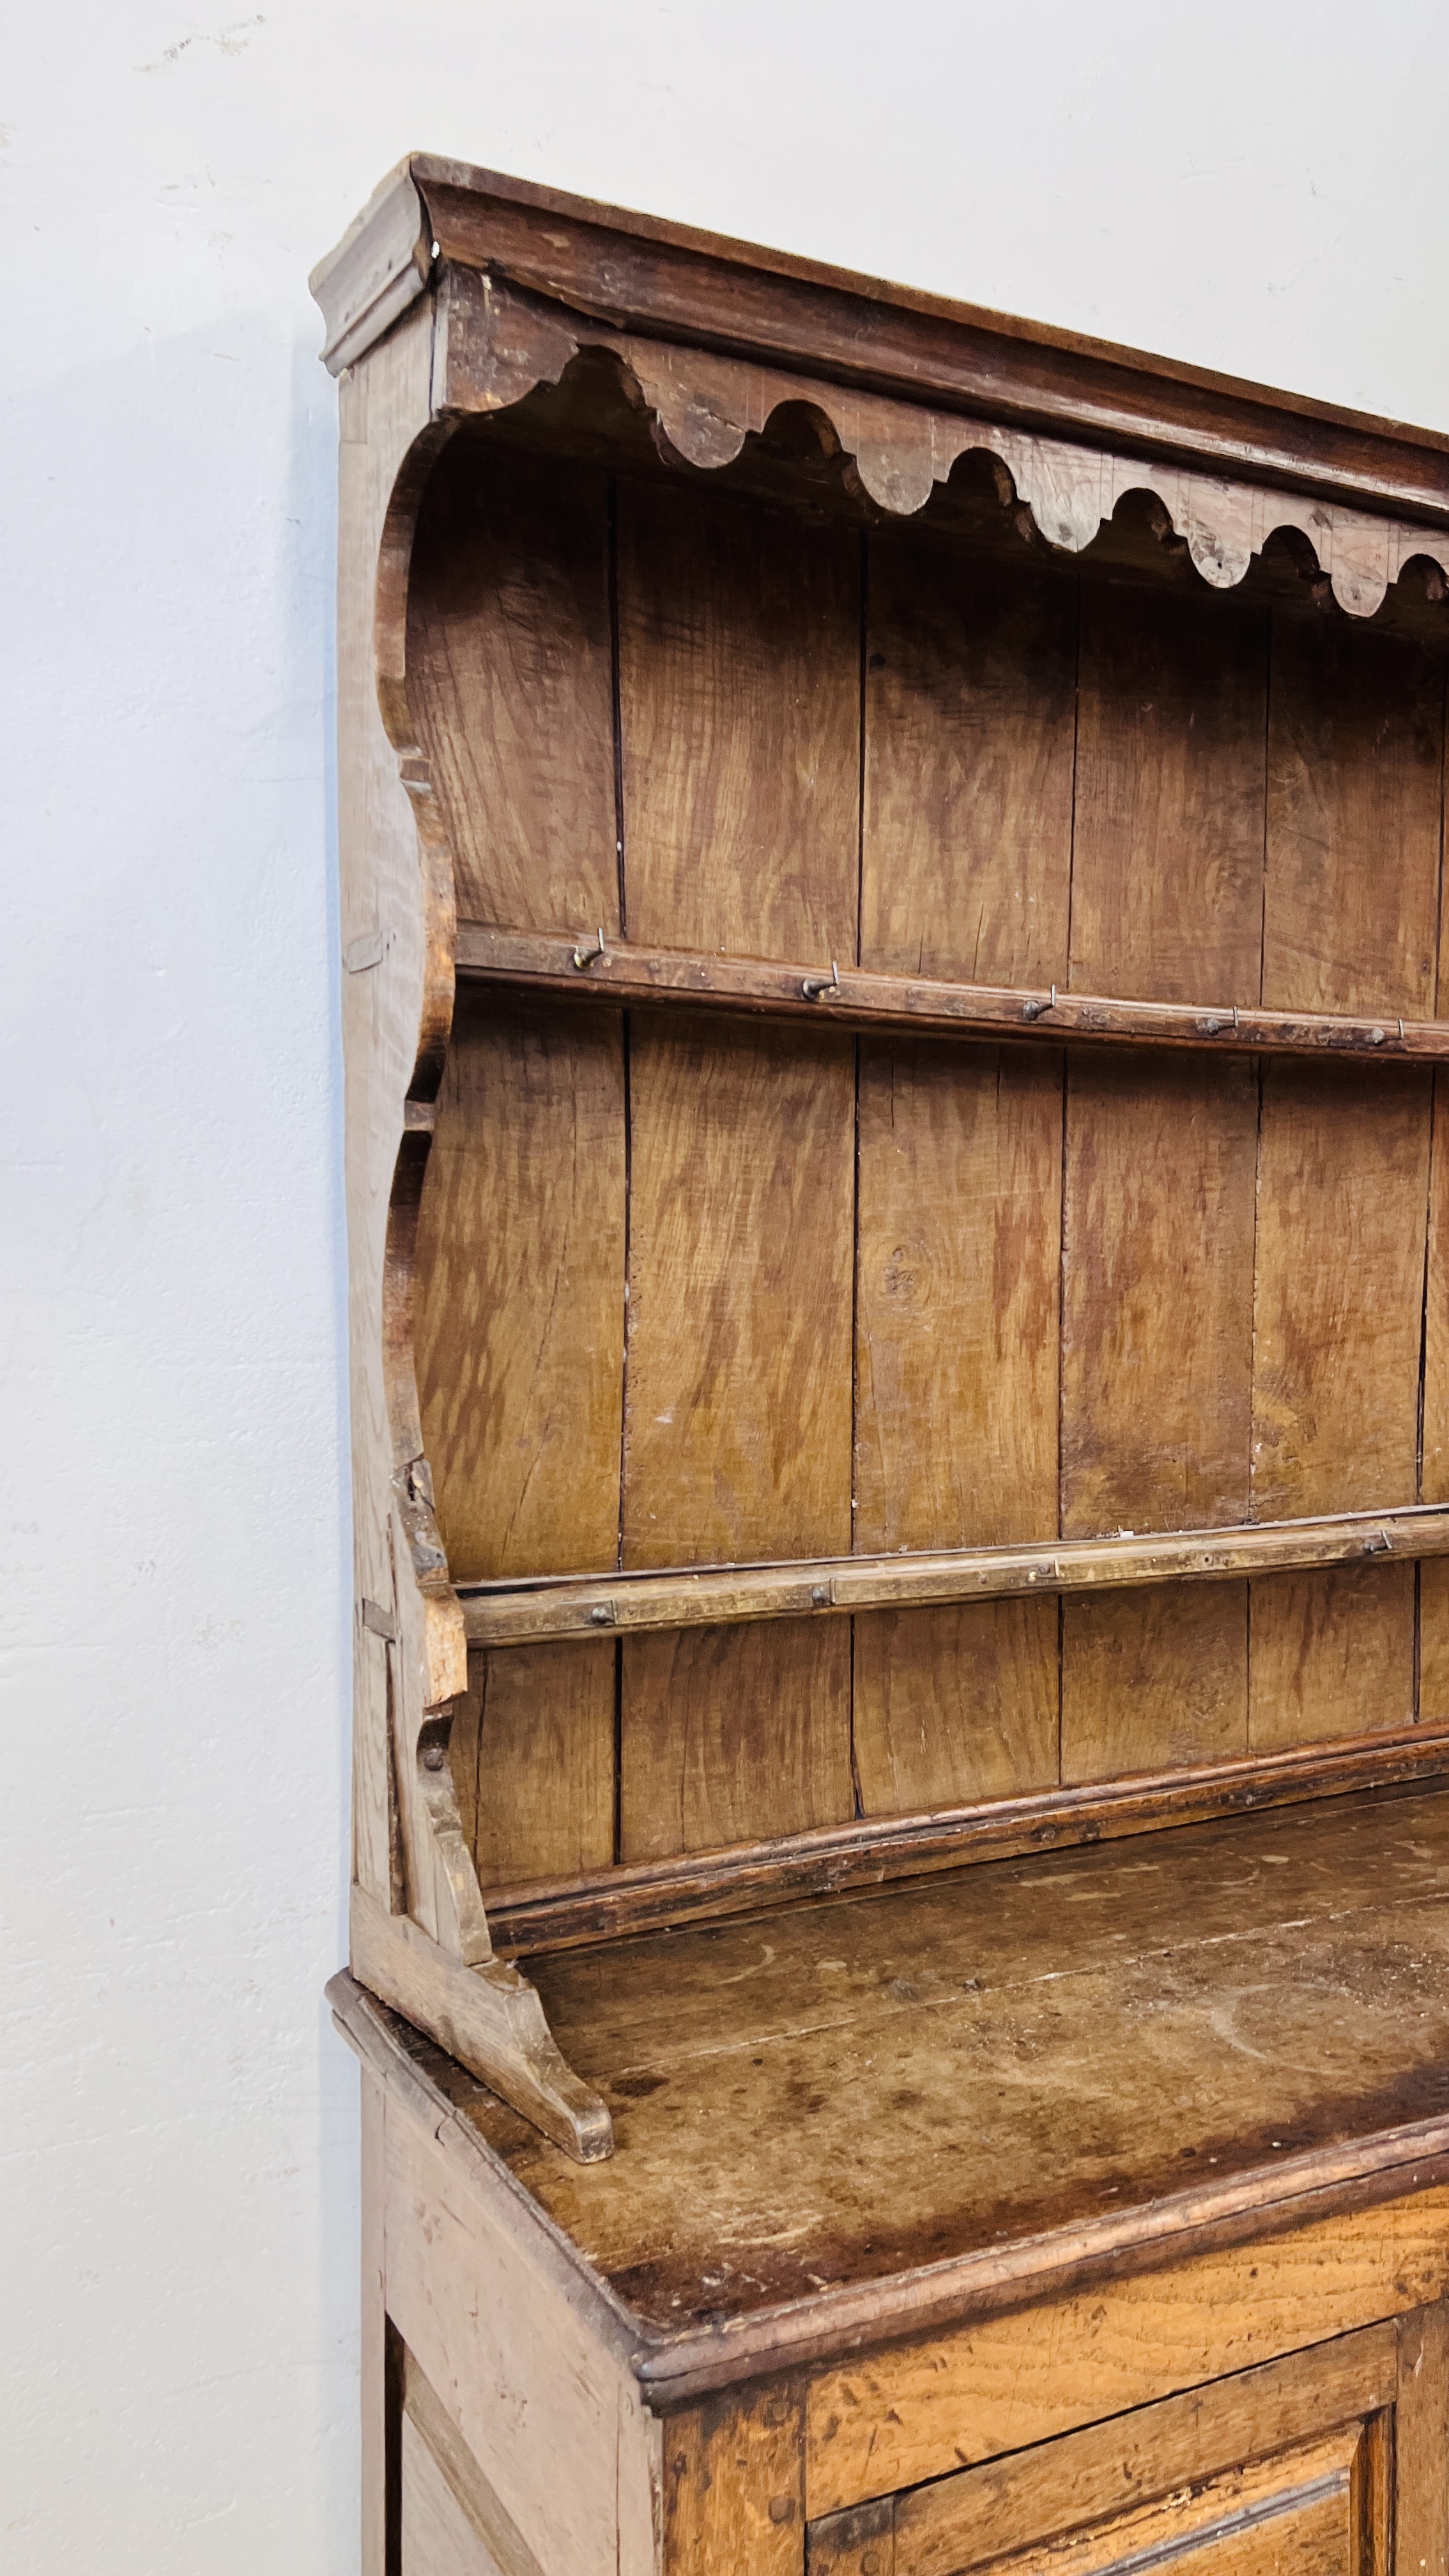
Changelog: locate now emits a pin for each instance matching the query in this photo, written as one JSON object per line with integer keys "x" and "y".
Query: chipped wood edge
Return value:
{"x": 381, "y": 265}
{"x": 487, "y": 2016}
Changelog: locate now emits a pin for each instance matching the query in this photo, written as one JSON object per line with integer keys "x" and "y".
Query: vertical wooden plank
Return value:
{"x": 1156, "y": 1377}
{"x": 520, "y": 1294}
{"x": 1154, "y": 1680}
{"x": 956, "y": 1705}
{"x": 1157, "y": 1292}
{"x": 1356, "y": 749}
{"x": 1421, "y": 2444}
{"x": 969, "y": 722}
{"x": 730, "y": 1734}
{"x": 532, "y": 1753}
{"x": 509, "y": 669}
{"x": 739, "y": 712}
{"x": 1338, "y": 1299}
{"x": 956, "y": 1409}
{"x": 1433, "y": 1699}
{"x": 734, "y": 2486}
{"x": 956, "y": 1334}
{"x": 1167, "y": 863}
{"x": 737, "y": 1436}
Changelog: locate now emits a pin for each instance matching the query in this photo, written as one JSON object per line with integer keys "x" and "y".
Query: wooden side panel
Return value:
{"x": 520, "y": 1293}
{"x": 1421, "y": 2444}
{"x": 739, "y": 707}
{"x": 1167, "y": 865}
{"x": 532, "y": 1753}
{"x": 970, "y": 717}
{"x": 737, "y": 1438}
{"x": 1156, "y": 1391}
{"x": 1342, "y": 1206}
{"x": 511, "y": 686}
{"x": 955, "y": 1705}
{"x": 1356, "y": 752}
{"x": 438, "y": 2537}
{"x": 956, "y": 1334}
{"x": 732, "y": 1733}
{"x": 894, "y": 2419}
{"x": 548, "y": 2413}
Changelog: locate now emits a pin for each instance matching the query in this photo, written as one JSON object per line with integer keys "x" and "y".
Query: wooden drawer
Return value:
{"x": 1331, "y": 2461}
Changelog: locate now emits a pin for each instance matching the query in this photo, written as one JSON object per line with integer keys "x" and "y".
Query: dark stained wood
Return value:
{"x": 730, "y": 1733}
{"x": 1433, "y": 1684}
{"x": 1342, "y": 1204}
{"x": 532, "y": 1752}
{"x": 970, "y": 717}
{"x": 1167, "y": 851}
{"x": 509, "y": 681}
{"x": 737, "y": 1431}
{"x": 914, "y": 1003}
{"x": 520, "y": 1295}
{"x": 739, "y": 711}
{"x": 1355, "y": 788}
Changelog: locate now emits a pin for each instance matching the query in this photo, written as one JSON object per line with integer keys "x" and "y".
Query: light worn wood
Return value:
{"x": 511, "y": 685}
{"x": 532, "y": 1754}
{"x": 489, "y": 2018}
{"x": 879, "y": 2425}
{"x": 728, "y": 1733}
{"x": 377, "y": 2442}
{"x": 970, "y": 725}
{"x": 739, "y": 725}
{"x": 690, "y": 1598}
{"x": 927, "y": 1005}
{"x": 549, "y": 2414}
{"x": 1355, "y": 770}
{"x": 955, "y": 1705}
{"x": 453, "y": 2506}
{"x": 520, "y": 1294}
{"x": 1167, "y": 851}
{"x": 1342, "y": 1203}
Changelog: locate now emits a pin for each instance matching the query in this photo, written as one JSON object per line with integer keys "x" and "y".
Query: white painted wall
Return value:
{"x": 1260, "y": 188}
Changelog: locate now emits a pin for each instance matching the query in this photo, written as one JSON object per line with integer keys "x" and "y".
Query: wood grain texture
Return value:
{"x": 532, "y": 1752}
{"x": 438, "y": 2537}
{"x": 1355, "y": 777}
{"x": 957, "y": 1301}
{"x": 1167, "y": 853}
{"x": 1154, "y": 1679}
{"x": 737, "y": 1436}
{"x": 520, "y": 1299}
{"x": 970, "y": 715}
{"x": 955, "y": 1705}
{"x": 919, "y": 2413}
{"x": 739, "y": 710}
{"x": 1156, "y": 1379}
{"x": 730, "y": 1733}
{"x": 1421, "y": 2443}
{"x": 1157, "y": 1294}
{"x": 1338, "y": 1304}
{"x": 511, "y": 685}
{"x": 1295, "y": 2516}
{"x": 1097, "y": 2475}
{"x": 734, "y": 2487}
{"x": 1433, "y": 1694}
{"x": 463, "y": 2512}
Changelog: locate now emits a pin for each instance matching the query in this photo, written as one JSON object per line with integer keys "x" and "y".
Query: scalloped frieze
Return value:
{"x": 497, "y": 345}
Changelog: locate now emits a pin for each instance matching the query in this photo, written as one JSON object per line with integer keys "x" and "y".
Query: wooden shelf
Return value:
{"x": 585, "y": 1605}
{"x": 594, "y": 964}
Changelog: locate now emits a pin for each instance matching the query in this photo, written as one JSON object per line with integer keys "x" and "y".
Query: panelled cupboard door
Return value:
{"x": 1331, "y": 2462}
